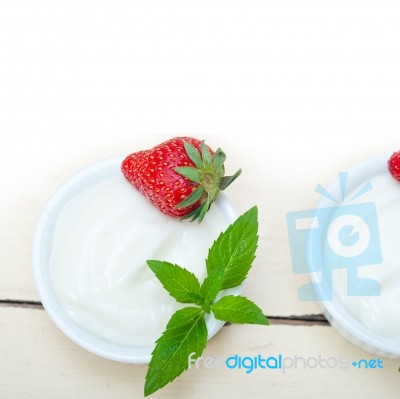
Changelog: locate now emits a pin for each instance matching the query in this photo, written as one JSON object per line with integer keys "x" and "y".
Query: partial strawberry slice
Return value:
{"x": 394, "y": 165}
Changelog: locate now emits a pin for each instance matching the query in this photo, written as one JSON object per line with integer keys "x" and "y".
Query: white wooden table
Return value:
{"x": 293, "y": 94}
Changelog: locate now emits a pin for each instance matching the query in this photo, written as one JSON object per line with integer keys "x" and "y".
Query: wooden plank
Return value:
{"x": 38, "y": 361}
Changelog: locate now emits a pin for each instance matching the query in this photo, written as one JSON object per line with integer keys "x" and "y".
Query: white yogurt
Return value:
{"x": 102, "y": 239}
{"x": 380, "y": 314}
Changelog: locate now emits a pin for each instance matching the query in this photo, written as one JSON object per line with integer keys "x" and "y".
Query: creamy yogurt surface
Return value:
{"x": 102, "y": 239}
{"x": 380, "y": 314}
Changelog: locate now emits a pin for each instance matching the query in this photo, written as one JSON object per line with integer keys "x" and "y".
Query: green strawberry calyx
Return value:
{"x": 209, "y": 174}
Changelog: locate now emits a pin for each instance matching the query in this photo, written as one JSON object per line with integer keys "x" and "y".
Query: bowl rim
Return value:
{"x": 122, "y": 353}
{"x": 334, "y": 310}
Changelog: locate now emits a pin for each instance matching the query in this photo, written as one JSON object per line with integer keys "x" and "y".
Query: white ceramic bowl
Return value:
{"x": 41, "y": 253}
{"x": 338, "y": 315}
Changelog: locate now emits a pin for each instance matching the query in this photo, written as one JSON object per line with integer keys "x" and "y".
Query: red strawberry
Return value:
{"x": 182, "y": 177}
{"x": 394, "y": 165}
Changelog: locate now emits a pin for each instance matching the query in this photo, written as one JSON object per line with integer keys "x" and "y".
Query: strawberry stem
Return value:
{"x": 192, "y": 198}
{"x": 190, "y": 173}
{"x": 209, "y": 173}
{"x": 193, "y": 154}
{"x": 227, "y": 180}
{"x": 206, "y": 154}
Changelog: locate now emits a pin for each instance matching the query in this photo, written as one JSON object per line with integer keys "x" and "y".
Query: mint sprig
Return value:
{"x": 228, "y": 262}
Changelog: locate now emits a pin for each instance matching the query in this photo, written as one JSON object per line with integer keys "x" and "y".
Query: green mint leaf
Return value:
{"x": 234, "y": 250}
{"x": 211, "y": 287}
{"x": 186, "y": 334}
{"x": 179, "y": 282}
{"x": 238, "y": 309}
{"x": 228, "y": 262}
